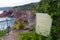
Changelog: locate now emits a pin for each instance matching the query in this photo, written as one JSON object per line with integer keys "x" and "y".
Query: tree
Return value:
{"x": 52, "y": 7}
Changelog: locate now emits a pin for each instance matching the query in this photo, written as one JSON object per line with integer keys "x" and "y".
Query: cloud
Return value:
{"x": 11, "y": 3}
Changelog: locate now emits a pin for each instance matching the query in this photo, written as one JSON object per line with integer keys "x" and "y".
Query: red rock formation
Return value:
{"x": 6, "y": 13}
{"x": 25, "y": 16}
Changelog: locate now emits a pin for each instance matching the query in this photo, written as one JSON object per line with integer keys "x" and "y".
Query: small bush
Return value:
{"x": 29, "y": 36}
{"x": 3, "y": 32}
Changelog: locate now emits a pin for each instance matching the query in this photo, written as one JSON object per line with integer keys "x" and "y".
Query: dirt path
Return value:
{"x": 12, "y": 36}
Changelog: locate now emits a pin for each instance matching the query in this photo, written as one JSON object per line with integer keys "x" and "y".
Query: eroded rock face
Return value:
{"x": 43, "y": 24}
{"x": 23, "y": 16}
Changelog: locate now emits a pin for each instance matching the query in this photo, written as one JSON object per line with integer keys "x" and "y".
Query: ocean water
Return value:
{"x": 4, "y": 23}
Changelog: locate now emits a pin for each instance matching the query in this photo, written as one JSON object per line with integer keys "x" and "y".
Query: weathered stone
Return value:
{"x": 43, "y": 24}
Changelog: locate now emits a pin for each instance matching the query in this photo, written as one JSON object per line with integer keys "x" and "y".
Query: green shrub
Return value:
{"x": 3, "y": 32}
{"x": 33, "y": 27}
{"x": 29, "y": 36}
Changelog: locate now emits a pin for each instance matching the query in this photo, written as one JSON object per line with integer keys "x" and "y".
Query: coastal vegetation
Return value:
{"x": 52, "y": 7}
{"x": 3, "y": 32}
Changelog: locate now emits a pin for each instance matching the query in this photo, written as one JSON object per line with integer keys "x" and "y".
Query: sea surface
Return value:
{"x": 4, "y": 22}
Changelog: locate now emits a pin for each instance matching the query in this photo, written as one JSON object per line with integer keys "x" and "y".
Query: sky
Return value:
{"x": 11, "y": 3}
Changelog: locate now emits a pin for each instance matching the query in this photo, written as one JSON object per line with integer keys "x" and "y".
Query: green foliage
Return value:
{"x": 52, "y": 7}
{"x": 29, "y": 36}
{"x": 58, "y": 38}
{"x": 33, "y": 36}
{"x": 49, "y": 38}
{"x": 3, "y": 32}
{"x": 33, "y": 27}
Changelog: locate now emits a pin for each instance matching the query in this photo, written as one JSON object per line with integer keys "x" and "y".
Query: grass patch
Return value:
{"x": 29, "y": 36}
{"x": 3, "y": 32}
